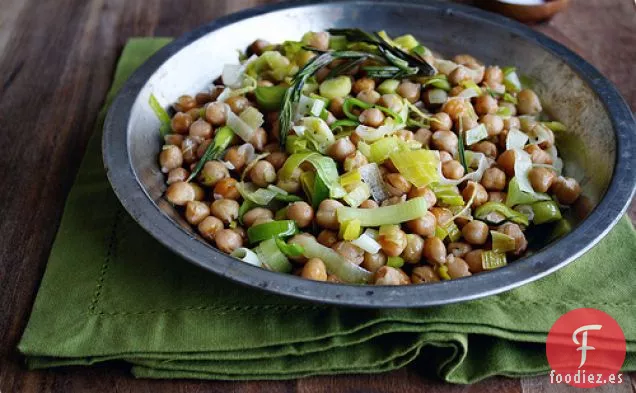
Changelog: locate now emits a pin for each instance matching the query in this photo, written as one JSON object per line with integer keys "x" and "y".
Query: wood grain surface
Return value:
{"x": 57, "y": 59}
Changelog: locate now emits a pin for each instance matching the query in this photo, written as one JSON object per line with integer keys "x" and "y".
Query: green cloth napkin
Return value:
{"x": 110, "y": 291}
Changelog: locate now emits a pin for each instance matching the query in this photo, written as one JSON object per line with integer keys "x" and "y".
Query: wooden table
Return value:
{"x": 56, "y": 62}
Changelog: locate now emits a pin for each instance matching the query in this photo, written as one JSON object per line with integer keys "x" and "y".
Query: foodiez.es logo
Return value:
{"x": 586, "y": 348}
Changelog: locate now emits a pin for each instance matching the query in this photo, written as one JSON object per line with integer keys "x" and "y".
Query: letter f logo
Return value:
{"x": 584, "y": 347}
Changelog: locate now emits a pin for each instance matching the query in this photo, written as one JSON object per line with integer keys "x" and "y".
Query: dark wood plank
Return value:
{"x": 56, "y": 63}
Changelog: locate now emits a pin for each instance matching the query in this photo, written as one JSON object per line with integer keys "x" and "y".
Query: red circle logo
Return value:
{"x": 585, "y": 349}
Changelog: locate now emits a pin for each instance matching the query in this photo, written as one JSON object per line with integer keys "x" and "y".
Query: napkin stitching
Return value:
{"x": 113, "y": 241}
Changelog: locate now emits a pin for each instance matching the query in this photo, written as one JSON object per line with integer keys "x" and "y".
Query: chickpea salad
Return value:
{"x": 354, "y": 157}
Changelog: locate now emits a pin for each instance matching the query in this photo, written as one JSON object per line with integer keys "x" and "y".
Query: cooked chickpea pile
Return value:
{"x": 410, "y": 252}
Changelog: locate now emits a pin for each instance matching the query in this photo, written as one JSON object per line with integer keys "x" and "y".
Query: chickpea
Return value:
{"x": 184, "y": 103}
{"x": 459, "y": 249}
{"x": 369, "y": 204}
{"x": 203, "y": 98}
{"x": 494, "y": 179}
{"x": 409, "y": 90}
{"x": 277, "y": 159}
{"x": 369, "y": 96}
{"x": 424, "y": 275}
{"x": 263, "y": 173}
{"x": 467, "y": 122}
{"x": 209, "y": 226}
{"x": 537, "y": 155}
{"x": 262, "y": 220}
{"x": 481, "y": 196}
{"x": 228, "y": 240}
{"x": 372, "y": 262}
{"x": 512, "y": 121}
{"x": 315, "y": 269}
{"x": 177, "y": 175}
{"x": 258, "y": 47}
{"x": 434, "y": 251}
{"x": 393, "y": 242}
{"x": 514, "y": 231}
{"x": 237, "y": 104}
{"x": 506, "y": 161}
{"x": 354, "y": 161}
{"x": 335, "y": 106}
{"x": 414, "y": 249}
{"x": 349, "y": 251}
{"x": 442, "y": 215}
{"x": 473, "y": 259}
{"x": 444, "y": 156}
{"x": 291, "y": 185}
{"x": 397, "y": 184}
{"x": 180, "y": 193}
{"x": 453, "y": 169}
{"x": 236, "y": 157}
{"x": 391, "y": 101}
{"x": 173, "y": 139}
{"x": 201, "y": 128}
{"x": 189, "y": 149}
{"x": 215, "y": 113}
{"x": 496, "y": 196}
{"x": 212, "y": 172}
{"x": 485, "y": 104}
{"x": 441, "y": 121}
{"x": 226, "y": 189}
{"x": 528, "y": 102}
{"x": 465, "y": 59}
{"x": 363, "y": 84}
{"x": 475, "y": 232}
{"x": 170, "y": 158}
{"x": 567, "y": 190}
{"x": 423, "y": 226}
{"x": 458, "y": 75}
{"x": 423, "y": 135}
{"x": 225, "y": 210}
{"x": 498, "y": 88}
{"x": 445, "y": 140}
{"x": 257, "y": 213}
{"x": 342, "y": 148}
{"x": 493, "y": 74}
{"x": 457, "y": 267}
{"x": 319, "y": 40}
{"x": 486, "y": 147}
{"x": 372, "y": 117}
{"x": 196, "y": 211}
{"x": 541, "y": 179}
{"x": 425, "y": 192}
{"x": 387, "y": 275}
{"x": 181, "y": 122}
{"x": 494, "y": 124}
{"x": 326, "y": 216}
{"x": 327, "y": 238}
{"x": 394, "y": 200}
{"x": 301, "y": 212}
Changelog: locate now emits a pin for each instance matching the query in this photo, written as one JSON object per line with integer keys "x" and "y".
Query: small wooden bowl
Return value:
{"x": 526, "y": 13}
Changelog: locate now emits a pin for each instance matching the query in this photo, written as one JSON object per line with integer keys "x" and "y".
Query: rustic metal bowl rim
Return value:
{"x": 143, "y": 210}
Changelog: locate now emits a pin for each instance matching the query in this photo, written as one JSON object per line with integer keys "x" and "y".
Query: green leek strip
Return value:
{"x": 325, "y": 168}
{"x": 281, "y": 214}
{"x": 222, "y": 139}
{"x": 454, "y": 234}
{"x": 450, "y": 200}
{"x": 395, "y": 214}
{"x": 460, "y": 147}
{"x": 510, "y": 98}
{"x": 381, "y": 149}
{"x": 296, "y": 144}
{"x": 263, "y": 196}
{"x": 476, "y": 134}
{"x": 407, "y": 42}
{"x": 350, "y": 230}
{"x": 502, "y": 243}
{"x": 388, "y": 86}
{"x": 440, "y": 232}
{"x": 497, "y": 207}
{"x": 247, "y": 255}
{"x": 493, "y": 260}
{"x": 545, "y": 211}
{"x": 272, "y": 257}
{"x": 555, "y": 126}
{"x": 396, "y": 262}
{"x": 290, "y": 250}
{"x": 350, "y": 103}
{"x": 360, "y": 193}
{"x": 162, "y": 115}
{"x": 344, "y": 123}
{"x": 442, "y": 271}
{"x": 517, "y": 197}
{"x": 270, "y": 230}
{"x": 321, "y": 192}
{"x": 270, "y": 97}
{"x": 336, "y": 264}
{"x": 338, "y": 42}
{"x": 560, "y": 229}
{"x": 417, "y": 166}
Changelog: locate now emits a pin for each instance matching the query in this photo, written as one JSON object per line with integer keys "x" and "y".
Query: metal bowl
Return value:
{"x": 598, "y": 149}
